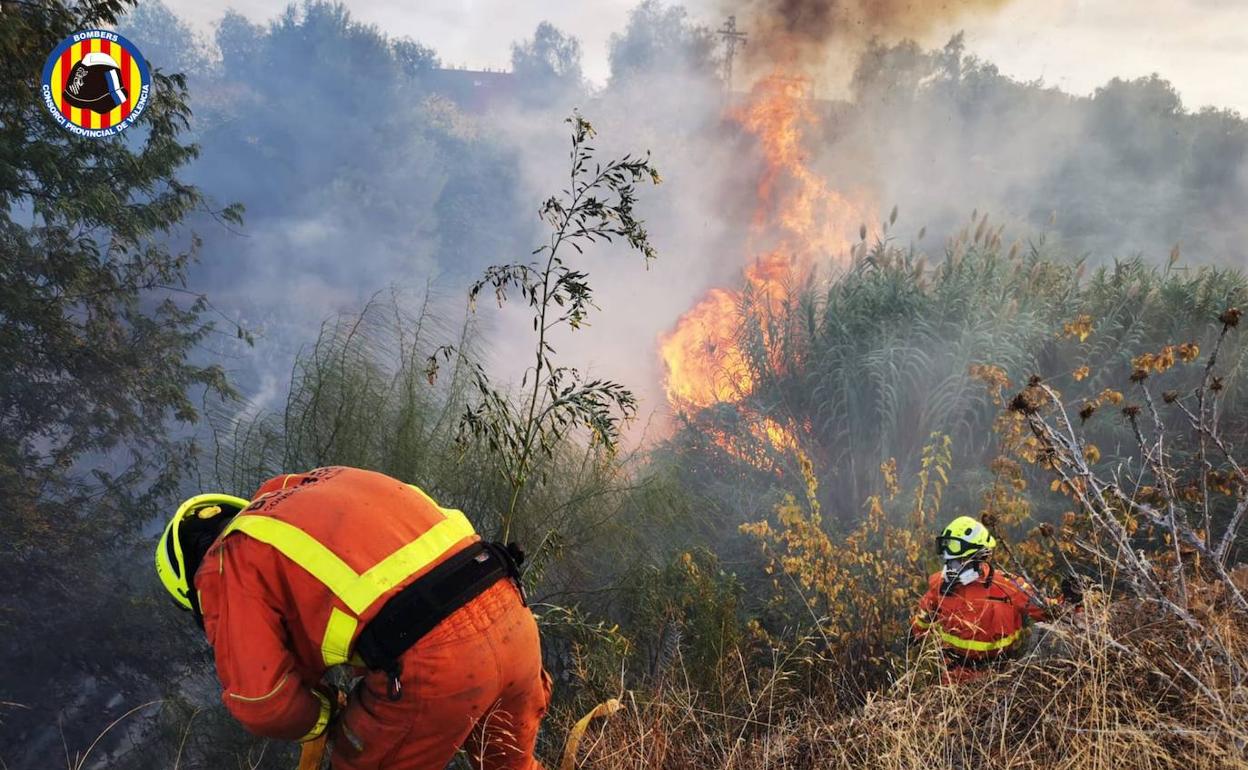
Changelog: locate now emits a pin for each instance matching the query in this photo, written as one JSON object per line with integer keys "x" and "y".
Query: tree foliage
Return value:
{"x": 661, "y": 40}
{"x": 551, "y": 60}
{"x": 95, "y": 335}
{"x": 1127, "y": 170}
{"x": 99, "y": 337}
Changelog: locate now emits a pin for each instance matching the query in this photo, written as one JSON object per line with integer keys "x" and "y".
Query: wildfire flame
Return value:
{"x": 800, "y": 218}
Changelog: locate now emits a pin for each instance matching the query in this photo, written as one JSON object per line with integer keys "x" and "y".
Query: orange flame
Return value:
{"x": 802, "y": 219}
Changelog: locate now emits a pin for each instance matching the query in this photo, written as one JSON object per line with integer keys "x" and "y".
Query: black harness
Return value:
{"x": 421, "y": 606}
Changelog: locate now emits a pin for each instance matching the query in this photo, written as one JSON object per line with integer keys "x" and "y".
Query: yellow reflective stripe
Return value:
{"x": 336, "y": 646}
{"x": 434, "y": 503}
{"x": 358, "y": 592}
{"x": 299, "y": 547}
{"x": 409, "y": 559}
{"x": 322, "y": 719}
{"x": 977, "y": 646}
{"x": 355, "y": 590}
{"x": 266, "y": 696}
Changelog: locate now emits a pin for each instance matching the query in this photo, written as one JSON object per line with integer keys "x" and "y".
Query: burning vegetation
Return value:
{"x": 799, "y": 222}
{"x": 802, "y": 222}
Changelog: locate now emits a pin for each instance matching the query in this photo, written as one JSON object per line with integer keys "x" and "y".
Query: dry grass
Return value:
{"x": 1117, "y": 686}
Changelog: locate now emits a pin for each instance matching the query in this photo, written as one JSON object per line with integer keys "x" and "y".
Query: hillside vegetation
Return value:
{"x": 1091, "y": 419}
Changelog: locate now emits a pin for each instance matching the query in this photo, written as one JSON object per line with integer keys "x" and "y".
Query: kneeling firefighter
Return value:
{"x": 347, "y": 566}
{"x": 977, "y": 610}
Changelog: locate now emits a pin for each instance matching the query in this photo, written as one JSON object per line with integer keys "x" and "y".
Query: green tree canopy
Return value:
{"x": 96, "y": 329}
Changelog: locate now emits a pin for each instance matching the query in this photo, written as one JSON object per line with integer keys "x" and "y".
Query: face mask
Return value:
{"x": 959, "y": 571}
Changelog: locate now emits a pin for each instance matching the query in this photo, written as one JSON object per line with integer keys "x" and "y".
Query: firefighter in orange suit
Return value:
{"x": 977, "y": 610}
{"x": 347, "y": 566}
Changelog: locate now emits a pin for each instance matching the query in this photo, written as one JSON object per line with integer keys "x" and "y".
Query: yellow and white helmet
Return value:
{"x": 965, "y": 539}
{"x": 202, "y": 517}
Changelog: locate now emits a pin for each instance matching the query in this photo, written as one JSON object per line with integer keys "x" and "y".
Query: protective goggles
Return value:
{"x": 949, "y": 545}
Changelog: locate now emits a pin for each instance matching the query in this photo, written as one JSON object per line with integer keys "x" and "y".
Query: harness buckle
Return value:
{"x": 394, "y": 683}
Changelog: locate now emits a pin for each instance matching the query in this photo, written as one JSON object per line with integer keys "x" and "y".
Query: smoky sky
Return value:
{"x": 1200, "y": 45}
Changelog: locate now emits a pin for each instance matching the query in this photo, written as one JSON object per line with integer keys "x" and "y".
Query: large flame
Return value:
{"x": 802, "y": 221}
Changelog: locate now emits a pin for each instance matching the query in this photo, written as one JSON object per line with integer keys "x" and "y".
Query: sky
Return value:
{"x": 1199, "y": 45}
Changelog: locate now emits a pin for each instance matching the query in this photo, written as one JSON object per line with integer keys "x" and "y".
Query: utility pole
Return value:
{"x": 732, "y": 36}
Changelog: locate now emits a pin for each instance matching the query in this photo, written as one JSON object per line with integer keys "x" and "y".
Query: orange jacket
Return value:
{"x": 982, "y": 620}
{"x": 294, "y": 578}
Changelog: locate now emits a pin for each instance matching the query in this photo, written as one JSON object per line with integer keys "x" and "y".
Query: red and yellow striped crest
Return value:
{"x": 96, "y": 83}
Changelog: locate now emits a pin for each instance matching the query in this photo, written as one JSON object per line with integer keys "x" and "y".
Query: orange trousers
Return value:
{"x": 475, "y": 681}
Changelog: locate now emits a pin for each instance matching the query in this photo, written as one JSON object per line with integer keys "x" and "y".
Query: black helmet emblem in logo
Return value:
{"x": 95, "y": 84}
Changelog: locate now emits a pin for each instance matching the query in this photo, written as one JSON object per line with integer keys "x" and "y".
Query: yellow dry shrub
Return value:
{"x": 861, "y": 584}
{"x": 993, "y": 377}
{"x": 1165, "y": 359}
{"x": 1080, "y": 327}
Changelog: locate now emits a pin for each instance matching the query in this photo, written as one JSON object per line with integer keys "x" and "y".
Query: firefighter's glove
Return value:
{"x": 1072, "y": 591}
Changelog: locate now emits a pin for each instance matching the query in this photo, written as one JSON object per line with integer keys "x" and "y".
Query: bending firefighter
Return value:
{"x": 340, "y": 565}
{"x": 977, "y": 610}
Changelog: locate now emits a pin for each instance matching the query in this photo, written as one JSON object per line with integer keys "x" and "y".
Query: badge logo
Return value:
{"x": 96, "y": 83}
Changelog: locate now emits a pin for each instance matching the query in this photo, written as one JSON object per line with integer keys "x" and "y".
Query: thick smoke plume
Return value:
{"x": 811, "y": 35}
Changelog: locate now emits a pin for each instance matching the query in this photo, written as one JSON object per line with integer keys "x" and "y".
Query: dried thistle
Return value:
{"x": 1170, "y": 396}
{"x": 1215, "y": 384}
{"x": 1131, "y": 411}
{"x": 1029, "y": 400}
{"x": 1047, "y": 457}
{"x": 1139, "y": 375}
{"x": 1230, "y": 317}
{"x": 1087, "y": 411}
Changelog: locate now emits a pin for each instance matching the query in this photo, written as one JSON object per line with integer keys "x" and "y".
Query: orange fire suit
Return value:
{"x": 980, "y": 622}
{"x": 287, "y": 588}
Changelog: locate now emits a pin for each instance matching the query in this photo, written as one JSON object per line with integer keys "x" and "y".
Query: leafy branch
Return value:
{"x": 597, "y": 205}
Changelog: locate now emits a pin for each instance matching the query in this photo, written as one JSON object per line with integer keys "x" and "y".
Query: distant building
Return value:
{"x": 474, "y": 90}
